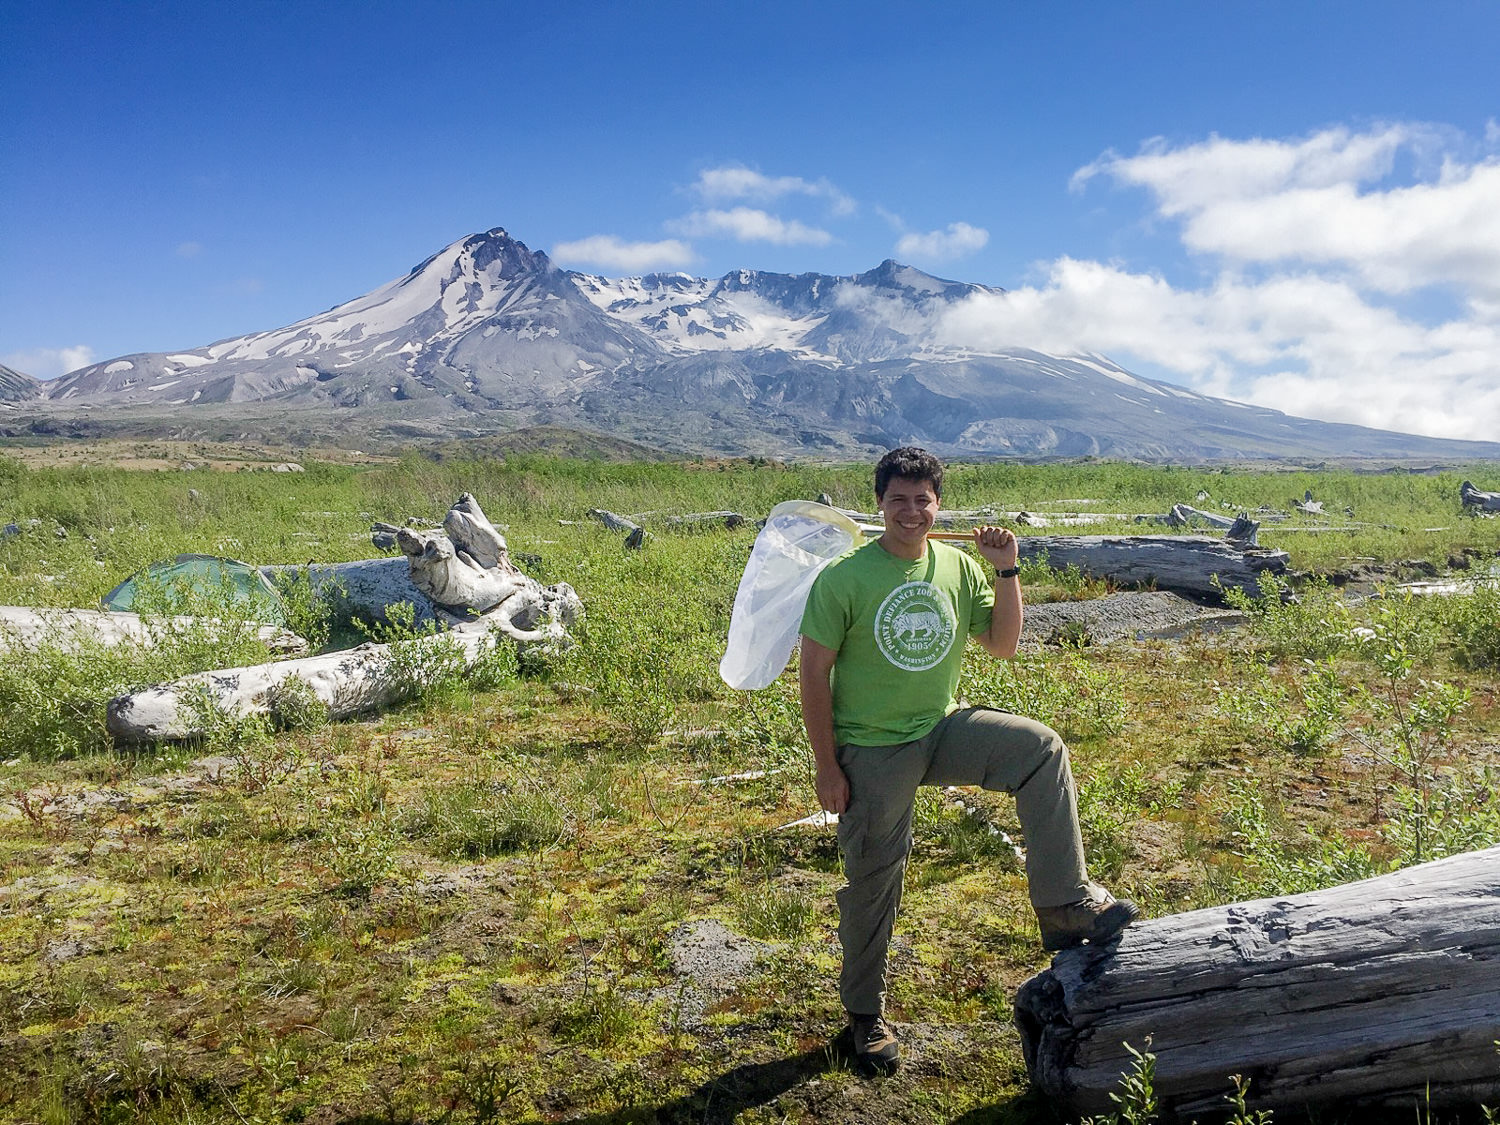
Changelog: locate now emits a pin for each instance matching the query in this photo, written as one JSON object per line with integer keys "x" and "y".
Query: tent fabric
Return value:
{"x": 208, "y": 578}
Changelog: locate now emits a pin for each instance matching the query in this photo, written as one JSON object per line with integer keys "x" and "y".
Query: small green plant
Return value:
{"x": 309, "y": 607}
{"x": 1302, "y": 726}
{"x": 1062, "y": 688}
{"x": 294, "y": 705}
{"x": 1313, "y": 623}
{"x": 361, "y": 852}
{"x": 476, "y": 819}
{"x": 1069, "y": 584}
{"x": 1110, "y": 803}
{"x": 776, "y": 912}
{"x": 1472, "y": 622}
{"x": 1411, "y": 730}
{"x": 1242, "y": 1114}
{"x": 1269, "y": 866}
{"x": 1136, "y": 1098}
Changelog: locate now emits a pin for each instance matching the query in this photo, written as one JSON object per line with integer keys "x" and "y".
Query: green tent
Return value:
{"x": 190, "y": 583}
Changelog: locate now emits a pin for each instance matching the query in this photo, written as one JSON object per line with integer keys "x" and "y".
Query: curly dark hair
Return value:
{"x": 911, "y": 464}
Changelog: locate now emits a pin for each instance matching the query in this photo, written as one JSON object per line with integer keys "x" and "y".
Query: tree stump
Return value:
{"x": 1383, "y": 993}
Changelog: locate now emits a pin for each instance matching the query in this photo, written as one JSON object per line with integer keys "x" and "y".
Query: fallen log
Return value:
{"x": 31, "y": 627}
{"x": 346, "y": 683}
{"x": 613, "y": 521}
{"x": 1188, "y": 563}
{"x": 1382, "y": 994}
{"x": 1185, "y": 515}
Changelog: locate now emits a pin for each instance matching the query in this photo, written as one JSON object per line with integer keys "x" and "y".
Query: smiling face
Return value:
{"x": 909, "y": 508}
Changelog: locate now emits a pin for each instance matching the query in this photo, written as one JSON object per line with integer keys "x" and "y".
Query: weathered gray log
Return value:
{"x": 612, "y": 521}
{"x": 1474, "y": 498}
{"x": 1185, "y": 515}
{"x": 31, "y": 627}
{"x": 1188, "y": 563}
{"x": 347, "y": 683}
{"x": 1383, "y": 993}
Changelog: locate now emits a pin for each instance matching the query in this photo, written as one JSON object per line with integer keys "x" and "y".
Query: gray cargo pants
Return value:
{"x": 972, "y": 746}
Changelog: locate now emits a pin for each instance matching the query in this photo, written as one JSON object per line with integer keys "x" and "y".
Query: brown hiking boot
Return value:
{"x": 874, "y": 1044}
{"x": 1095, "y": 920}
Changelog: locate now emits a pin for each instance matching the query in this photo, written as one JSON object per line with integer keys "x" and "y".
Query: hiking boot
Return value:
{"x": 874, "y": 1043}
{"x": 1095, "y": 920}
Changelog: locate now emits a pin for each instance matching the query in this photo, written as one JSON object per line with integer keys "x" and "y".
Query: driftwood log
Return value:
{"x": 347, "y": 683}
{"x": 1474, "y": 498}
{"x": 1188, "y": 563}
{"x": 29, "y": 627}
{"x": 1383, "y": 993}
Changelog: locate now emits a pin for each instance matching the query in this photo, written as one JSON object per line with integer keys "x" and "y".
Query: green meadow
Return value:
{"x": 480, "y": 906}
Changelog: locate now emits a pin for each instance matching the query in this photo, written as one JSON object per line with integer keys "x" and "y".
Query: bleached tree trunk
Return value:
{"x": 29, "y": 627}
{"x": 1382, "y": 993}
{"x": 347, "y": 683}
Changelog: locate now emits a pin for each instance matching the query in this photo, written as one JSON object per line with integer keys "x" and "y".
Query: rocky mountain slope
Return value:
{"x": 487, "y": 335}
{"x": 16, "y": 387}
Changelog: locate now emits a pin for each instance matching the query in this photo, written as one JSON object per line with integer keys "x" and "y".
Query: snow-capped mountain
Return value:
{"x": 486, "y": 335}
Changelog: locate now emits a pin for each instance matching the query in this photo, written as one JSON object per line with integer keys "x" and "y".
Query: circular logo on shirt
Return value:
{"x": 915, "y": 627}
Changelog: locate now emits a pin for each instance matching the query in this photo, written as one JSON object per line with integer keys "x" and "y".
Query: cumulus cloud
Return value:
{"x": 748, "y": 224}
{"x": 1308, "y": 345}
{"x": 958, "y": 240}
{"x": 735, "y": 181}
{"x": 48, "y": 363}
{"x": 634, "y": 257}
{"x": 1327, "y": 200}
{"x": 1320, "y": 254}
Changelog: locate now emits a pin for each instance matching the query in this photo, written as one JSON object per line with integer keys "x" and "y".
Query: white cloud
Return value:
{"x": 1306, "y": 242}
{"x": 1326, "y": 200}
{"x": 943, "y": 245}
{"x": 48, "y": 363}
{"x": 1301, "y": 343}
{"x": 634, "y": 257}
{"x": 735, "y": 181}
{"x": 748, "y": 224}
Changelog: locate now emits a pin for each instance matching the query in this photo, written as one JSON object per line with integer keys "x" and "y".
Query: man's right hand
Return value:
{"x": 833, "y": 788}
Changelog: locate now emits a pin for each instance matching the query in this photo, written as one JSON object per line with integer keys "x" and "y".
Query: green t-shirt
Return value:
{"x": 899, "y": 628}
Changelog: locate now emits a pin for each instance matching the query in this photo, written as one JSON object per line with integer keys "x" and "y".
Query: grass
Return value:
{"x": 466, "y": 909}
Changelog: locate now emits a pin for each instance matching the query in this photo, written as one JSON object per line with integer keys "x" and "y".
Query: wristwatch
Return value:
{"x": 1008, "y": 572}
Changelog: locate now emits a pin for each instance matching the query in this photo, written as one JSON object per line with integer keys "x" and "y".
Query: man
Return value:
{"x": 882, "y": 643}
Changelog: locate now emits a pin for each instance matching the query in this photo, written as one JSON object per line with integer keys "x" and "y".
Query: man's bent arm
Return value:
{"x": 998, "y": 547}
{"x": 817, "y": 716}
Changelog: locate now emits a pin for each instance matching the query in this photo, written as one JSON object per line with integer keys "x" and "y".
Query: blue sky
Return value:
{"x": 1296, "y": 204}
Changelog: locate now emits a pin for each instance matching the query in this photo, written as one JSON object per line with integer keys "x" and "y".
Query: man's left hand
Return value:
{"x": 997, "y": 545}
